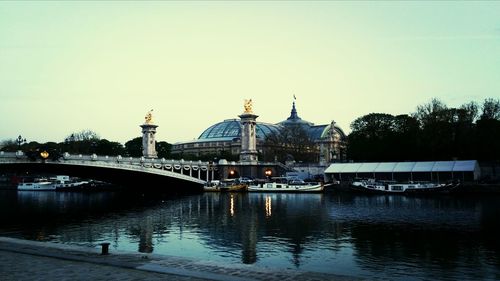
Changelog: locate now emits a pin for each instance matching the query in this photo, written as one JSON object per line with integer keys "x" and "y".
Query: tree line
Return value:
{"x": 433, "y": 132}
{"x": 86, "y": 142}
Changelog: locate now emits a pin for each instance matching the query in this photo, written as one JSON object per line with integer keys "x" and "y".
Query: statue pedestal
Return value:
{"x": 248, "y": 138}
{"x": 249, "y": 157}
{"x": 148, "y": 141}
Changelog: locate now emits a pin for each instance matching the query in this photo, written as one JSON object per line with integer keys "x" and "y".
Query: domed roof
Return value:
{"x": 230, "y": 129}
{"x": 294, "y": 119}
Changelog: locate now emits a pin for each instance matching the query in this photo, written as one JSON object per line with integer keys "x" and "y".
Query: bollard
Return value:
{"x": 105, "y": 248}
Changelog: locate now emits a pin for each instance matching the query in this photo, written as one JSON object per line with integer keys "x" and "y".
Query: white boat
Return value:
{"x": 66, "y": 183}
{"x": 55, "y": 183}
{"x": 212, "y": 185}
{"x": 285, "y": 185}
{"x": 374, "y": 186}
{"x": 38, "y": 185}
{"x": 225, "y": 185}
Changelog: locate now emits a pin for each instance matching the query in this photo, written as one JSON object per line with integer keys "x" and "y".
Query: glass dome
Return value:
{"x": 230, "y": 129}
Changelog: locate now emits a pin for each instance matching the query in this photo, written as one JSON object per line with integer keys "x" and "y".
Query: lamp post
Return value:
{"x": 93, "y": 146}
{"x": 268, "y": 173}
{"x": 69, "y": 143}
{"x": 20, "y": 141}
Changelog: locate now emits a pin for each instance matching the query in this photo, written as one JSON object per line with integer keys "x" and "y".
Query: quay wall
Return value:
{"x": 33, "y": 260}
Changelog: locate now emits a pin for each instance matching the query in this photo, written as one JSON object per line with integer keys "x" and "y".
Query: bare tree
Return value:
{"x": 431, "y": 112}
{"x": 83, "y": 135}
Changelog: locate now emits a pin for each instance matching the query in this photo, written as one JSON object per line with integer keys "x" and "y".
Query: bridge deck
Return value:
{"x": 195, "y": 172}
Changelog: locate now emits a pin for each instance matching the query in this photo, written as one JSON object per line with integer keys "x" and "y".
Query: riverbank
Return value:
{"x": 33, "y": 260}
{"x": 462, "y": 189}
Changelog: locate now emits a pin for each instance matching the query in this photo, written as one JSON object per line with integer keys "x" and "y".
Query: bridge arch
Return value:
{"x": 135, "y": 173}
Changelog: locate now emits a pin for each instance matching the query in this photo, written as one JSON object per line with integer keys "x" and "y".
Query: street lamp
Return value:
{"x": 20, "y": 141}
{"x": 268, "y": 172}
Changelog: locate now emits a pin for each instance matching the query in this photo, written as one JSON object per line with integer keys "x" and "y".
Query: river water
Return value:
{"x": 381, "y": 237}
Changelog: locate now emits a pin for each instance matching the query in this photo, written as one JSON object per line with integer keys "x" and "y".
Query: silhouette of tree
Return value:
{"x": 164, "y": 149}
{"x": 433, "y": 132}
{"x": 105, "y": 147}
{"x": 292, "y": 141}
{"x": 491, "y": 109}
{"x": 133, "y": 147}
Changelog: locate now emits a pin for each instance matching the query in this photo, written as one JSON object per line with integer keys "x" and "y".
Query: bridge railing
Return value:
{"x": 12, "y": 155}
{"x": 186, "y": 168}
{"x": 118, "y": 159}
{"x": 133, "y": 160}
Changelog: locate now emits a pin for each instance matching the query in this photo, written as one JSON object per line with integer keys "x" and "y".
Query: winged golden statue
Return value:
{"x": 149, "y": 117}
{"x": 248, "y": 106}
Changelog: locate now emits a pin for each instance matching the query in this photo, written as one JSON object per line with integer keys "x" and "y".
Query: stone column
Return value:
{"x": 248, "y": 138}
{"x": 148, "y": 137}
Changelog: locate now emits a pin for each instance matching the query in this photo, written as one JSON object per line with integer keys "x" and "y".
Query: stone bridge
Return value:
{"x": 160, "y": 174}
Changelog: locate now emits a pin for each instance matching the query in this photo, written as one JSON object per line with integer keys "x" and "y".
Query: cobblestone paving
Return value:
{"x": 30, "y": 260}
{"x": 23, "y": 267}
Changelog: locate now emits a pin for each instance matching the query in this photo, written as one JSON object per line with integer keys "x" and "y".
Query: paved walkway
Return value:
{"x": 30, "y": 260}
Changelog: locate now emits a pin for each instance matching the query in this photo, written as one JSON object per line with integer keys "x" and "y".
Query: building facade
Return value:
{"x": 224, "y": 138}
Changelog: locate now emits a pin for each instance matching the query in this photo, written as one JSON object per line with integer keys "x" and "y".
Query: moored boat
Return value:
{"x": 59, "y": 183}
{"x": 38, "y": 184}
{"x": 285, "y": 185}
{"x": 229, "y": 185}
{"x": 374, "y": 186}
{"x": 65, "y": 183}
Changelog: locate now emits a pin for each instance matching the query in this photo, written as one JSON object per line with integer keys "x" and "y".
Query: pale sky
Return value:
{"x": 69, "y": 66}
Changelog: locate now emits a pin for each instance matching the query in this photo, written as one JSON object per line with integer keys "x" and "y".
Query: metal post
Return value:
{"x": 105, "y": 248}
{"x": 20, "y": 141}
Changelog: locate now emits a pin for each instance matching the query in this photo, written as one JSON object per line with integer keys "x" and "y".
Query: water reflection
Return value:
{"x": 369, "y": 236}
{"x": 269, "y": 206}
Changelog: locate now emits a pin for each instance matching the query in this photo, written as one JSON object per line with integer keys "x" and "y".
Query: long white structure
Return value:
{"x": 432, "y": 170}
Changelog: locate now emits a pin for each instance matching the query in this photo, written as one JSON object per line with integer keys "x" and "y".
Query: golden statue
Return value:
{"x": 149, "y": 117}
{"x": 248, "y": 106}
{"x": 44, "y": 154}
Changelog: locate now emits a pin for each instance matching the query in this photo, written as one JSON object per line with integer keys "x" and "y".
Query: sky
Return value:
{"x": 72, "y": 66}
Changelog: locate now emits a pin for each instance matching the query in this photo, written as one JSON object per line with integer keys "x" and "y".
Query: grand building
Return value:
{"x": 224, "y": 138}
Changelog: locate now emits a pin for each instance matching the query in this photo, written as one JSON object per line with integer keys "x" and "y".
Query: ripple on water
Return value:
{"x": 385, "y": 237}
